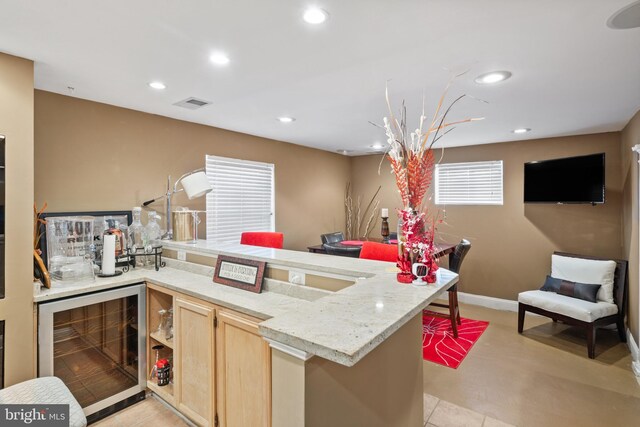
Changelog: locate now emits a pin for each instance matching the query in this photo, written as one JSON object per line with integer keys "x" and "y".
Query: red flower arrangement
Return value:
{"x": 417, "y": 246}
{"x": 413, "y": 163}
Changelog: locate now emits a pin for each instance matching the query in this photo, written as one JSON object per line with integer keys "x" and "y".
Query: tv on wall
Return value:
{"x": 569, "y": 180}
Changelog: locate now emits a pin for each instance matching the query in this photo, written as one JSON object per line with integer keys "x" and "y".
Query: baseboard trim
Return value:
{"x": 635, "y": 353}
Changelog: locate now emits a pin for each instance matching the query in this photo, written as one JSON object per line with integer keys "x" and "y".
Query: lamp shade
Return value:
{"x": 196, "y": 185}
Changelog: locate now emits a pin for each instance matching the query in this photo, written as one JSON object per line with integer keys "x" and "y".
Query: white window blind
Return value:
{"x": 472, "y": 183}
{"x": 242, "y": 198}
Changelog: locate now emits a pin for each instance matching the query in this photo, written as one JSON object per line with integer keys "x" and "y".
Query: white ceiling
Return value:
{"x": 571, "y": 73}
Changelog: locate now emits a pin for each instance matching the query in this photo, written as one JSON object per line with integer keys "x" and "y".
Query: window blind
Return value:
{"x": 471, "y": 183}
{"x": 242, "y": 198}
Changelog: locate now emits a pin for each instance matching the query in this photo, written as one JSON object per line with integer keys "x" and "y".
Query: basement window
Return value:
{"x": 242, "y": 198}
{"x": 470, "y": 183}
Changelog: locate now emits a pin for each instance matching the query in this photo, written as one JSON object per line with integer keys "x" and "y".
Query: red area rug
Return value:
{"x": 439, "y": 345}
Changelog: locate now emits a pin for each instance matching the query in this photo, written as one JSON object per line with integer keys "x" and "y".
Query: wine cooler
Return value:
{"x": 96, "y": 344}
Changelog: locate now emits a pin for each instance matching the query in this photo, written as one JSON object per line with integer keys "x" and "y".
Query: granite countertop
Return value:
{"x": 263, "y": 306}
{"x": 342, "y": 326}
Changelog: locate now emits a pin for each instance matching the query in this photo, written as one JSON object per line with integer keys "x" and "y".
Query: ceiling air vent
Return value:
{"x": 192, "y": 103}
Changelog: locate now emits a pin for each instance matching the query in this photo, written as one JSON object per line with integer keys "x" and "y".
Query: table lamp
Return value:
{"x": 195, "y": 184}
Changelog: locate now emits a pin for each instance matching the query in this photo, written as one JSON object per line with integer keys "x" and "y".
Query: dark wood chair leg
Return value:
{"x": 521, "y": 312}
{"x": 455, "y": 295}
{"x": 621, "y": 330}
{"x": 452, "y": 314}
{"x": 555, "y": 320}
{"x": 591, "y": 341}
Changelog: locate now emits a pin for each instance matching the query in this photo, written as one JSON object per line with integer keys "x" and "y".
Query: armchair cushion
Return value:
{"x": 571, "y": 307}
{"x": 589, "y": 271}
{"x": 571, "y": 289}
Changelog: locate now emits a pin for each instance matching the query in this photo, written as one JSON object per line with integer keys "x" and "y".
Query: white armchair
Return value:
{"x": 609, "y": 305}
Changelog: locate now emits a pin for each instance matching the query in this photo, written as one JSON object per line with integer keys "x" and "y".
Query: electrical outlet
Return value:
{"x": 182, "y": 256}
{"x": 296, "y": 277}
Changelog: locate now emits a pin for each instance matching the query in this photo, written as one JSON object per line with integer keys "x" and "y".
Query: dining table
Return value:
{"x": 442, "y": 248}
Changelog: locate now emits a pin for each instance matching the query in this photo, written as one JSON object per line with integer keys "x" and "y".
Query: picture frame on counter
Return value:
{"x": 125, "y": 217}
{"x": 240, "y": 273}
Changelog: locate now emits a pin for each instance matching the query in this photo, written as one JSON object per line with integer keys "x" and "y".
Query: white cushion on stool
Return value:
{"x": 571, "y": 307}
{"x": 45, "y": 390}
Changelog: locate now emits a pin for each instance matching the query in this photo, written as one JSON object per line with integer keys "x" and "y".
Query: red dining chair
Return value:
{"x": 265, "y": 239}
{"x": 379, "y": 251}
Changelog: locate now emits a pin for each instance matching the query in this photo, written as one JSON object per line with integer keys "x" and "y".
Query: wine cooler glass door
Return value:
{"x": 96, "y": 345}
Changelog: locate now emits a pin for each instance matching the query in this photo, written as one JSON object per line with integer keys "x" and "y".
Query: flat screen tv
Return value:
{"x": 569, "y": 180}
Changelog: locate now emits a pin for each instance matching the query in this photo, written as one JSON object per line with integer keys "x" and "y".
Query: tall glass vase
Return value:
{"x": 414, "y": 234}
{"x": 406, "y": 258}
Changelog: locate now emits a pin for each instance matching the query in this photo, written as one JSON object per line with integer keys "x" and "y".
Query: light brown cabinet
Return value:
{"x": 194, "y": 361}
{"x": 243, "y": 380}
{"x": 221, "y": 364}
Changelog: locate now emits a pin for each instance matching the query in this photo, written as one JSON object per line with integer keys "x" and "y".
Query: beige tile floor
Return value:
{"x": 542, "y": 378}
{"x": 439, "y": 413}
{"x": 149, "y": 412}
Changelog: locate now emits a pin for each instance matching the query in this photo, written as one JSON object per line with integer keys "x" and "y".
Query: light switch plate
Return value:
{"x": 296, "y": 277}
{"x": 182, "y": 256}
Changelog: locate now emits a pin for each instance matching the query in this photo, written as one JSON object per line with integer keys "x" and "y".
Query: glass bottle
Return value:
{"x": 153, "y": 235}
{"x": 162, "y": 322}
{"x": 113, "y": 228}
{"x": 137, "y": 235}
{"x": 153, "y": 229}
{"x": 168, "y": 326}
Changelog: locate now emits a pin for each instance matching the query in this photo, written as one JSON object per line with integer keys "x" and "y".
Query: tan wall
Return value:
{"x": 512, "y": 244}
{"x": 384, "y": 389}
{"x": 631, "y": 137}
{"x": 16, "y": 123}
{"x": 92, "y": 156}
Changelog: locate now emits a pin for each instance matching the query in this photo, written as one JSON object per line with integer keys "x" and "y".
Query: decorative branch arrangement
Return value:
{"x": 356, "y": 218}
{"x": 37, "y": 229}
{"x": 411, "y": 153}
{"x": 39, "y": 269}
{"x": 413, "y": 162}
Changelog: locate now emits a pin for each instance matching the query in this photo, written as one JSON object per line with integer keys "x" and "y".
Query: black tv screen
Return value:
{"x": 569, "y": 180}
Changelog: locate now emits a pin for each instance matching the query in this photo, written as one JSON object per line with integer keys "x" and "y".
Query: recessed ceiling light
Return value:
{"x": 219, "y": 58}
{"x": 377, "y": 146}
{"x": 521, "y": 130}
{"x": 315, "y": 15}
{"x": 493, "y": 77}
{"x": 285, "y": 119}
{"x": 158, "y": 85}
{"x": 345, "y": 152}
{"x": 626, "y": 18}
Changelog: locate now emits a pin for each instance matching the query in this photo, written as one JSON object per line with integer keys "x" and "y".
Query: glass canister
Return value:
{"x": 185, "y": 225}
{"x": 70, "y": 247}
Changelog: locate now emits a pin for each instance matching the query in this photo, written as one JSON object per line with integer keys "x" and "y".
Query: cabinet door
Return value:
{"x": 243, "y": 362}
{"x": 194, "y": 369}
